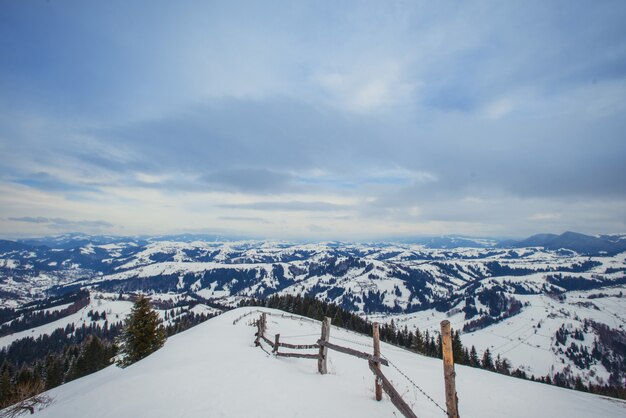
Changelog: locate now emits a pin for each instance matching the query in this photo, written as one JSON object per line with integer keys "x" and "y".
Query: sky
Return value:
{"x": 312, "y": 120}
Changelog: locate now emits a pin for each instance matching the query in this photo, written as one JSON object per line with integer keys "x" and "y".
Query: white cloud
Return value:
{"x": 545, "y": 217}
{"x": 499, "y": 108}
{"x": 380, "y": 85}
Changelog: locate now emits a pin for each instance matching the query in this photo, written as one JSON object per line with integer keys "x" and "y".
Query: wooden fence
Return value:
{"x": 375, "y": 360}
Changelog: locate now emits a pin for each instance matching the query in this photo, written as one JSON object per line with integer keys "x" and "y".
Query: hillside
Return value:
{"x": 513, "y": 301}
{"x": 215, "y": 370}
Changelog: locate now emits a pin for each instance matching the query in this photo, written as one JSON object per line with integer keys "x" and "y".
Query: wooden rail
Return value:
{"x": 298, "y": 346}
{"x": 299, "y": 355}
{"x": 394, "y": 396}
{"x": 352, "y": 352}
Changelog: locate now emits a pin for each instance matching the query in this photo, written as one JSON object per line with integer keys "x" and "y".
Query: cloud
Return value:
{"x": 545, "y": 216}
{"x": 474, "y": 116}
{"x": 290, "y": 206}
{"x": 62, "y": 223}
{"x": 244, "y": 219}
{"x": 248, "y": 180}
{"x": 31, "y": 219}
{"x": 46, "y": 181}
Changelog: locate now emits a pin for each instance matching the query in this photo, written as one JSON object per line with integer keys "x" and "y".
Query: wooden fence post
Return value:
{"x": 276, "y": 338}
{"x": 258, "y": 332}
{"x": 377, "y": 383}
{"x": 452, "y": 400}
{"x": 260, "y": 329}
{"x": 321, "y": 362}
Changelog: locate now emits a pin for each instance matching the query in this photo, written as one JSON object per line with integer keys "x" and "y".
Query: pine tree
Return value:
{"x": 54, "y": 372}
{"x": 418, "y": 342}
{"x": 487, "y": 361}
{"x": 457, "y": 349}
{"x": 473, "y": 358}
{"x": 6, "y": 388}
{"x": 93, "y": 356}
{"x": 142, "y": 335}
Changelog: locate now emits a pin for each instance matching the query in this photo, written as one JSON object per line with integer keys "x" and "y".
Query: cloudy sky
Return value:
{"x": 316, "y": 120}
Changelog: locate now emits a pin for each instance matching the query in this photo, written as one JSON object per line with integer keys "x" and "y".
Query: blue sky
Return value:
{"x": 317, "y": 120}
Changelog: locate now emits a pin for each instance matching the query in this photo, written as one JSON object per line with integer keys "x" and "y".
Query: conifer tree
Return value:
{"x": 457, "y": 348}
{"x": 54, "y": 372}
{"x": 142, "y": 335}
{"x": 6, "y": 388}
{"x": 487, "y": 361}
{"x": 473, "y": 358}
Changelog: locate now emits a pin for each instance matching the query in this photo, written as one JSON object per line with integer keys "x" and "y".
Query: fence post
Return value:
{"x": 452, "y": 400}
{"x": 260, "y": 329}
{"x": 321, "y": 362}
{"x": 377, "y": 383}
{"x": 276, "y": 338}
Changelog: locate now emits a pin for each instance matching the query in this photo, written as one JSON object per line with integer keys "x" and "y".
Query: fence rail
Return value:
{"x": 353, "y": 352}
{"x": 299, "y": 355}
{"x": 299, "y": 346}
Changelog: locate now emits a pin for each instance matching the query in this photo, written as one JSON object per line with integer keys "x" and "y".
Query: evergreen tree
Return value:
{"x": 418, "y": 342}
{"x": 487, "y": 361}
{"x": 94, "y": 356}
{"x": 504, "y": 366}
{"x": 54, "y": 372}
{"x": 6, "y": 387}
{"x": 142, "y": 335}
{"x": 473, "y": 358}
{"x": 457, "y": 349}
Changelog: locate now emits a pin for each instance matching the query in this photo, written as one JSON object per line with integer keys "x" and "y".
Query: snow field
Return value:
{"x": 215, "y": 370}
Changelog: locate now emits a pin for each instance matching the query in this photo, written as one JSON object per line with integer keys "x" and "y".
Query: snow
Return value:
{"x": 215, "y": 370}
{"x": 8, "y": 263}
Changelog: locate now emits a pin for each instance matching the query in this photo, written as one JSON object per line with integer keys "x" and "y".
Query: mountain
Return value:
{"x": 214, "y": 369}
{"x": 538, "y": 240}
{"x": 514, "y": 301}
{"x": 76, "y": 240}
{"x": 451, "y": 241}
{"x": 7, "y": 246}
{"x": 580, "y": 243}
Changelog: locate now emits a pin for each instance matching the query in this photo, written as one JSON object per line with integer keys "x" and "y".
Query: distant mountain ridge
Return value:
{"x": 573, "y": 241}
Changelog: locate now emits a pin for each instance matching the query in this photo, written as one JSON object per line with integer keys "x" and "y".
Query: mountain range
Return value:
{"x": 546, "y": 302}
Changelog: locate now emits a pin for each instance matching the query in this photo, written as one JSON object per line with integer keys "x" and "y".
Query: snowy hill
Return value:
{"x": 510, "y": 300}
{"x": 215, "y": 370}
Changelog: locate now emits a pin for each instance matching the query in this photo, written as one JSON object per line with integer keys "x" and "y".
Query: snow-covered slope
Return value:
{"x": 214, "y": 370}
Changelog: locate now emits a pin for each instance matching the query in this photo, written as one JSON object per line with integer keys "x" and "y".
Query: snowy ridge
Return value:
{"x": 215, "y": 370}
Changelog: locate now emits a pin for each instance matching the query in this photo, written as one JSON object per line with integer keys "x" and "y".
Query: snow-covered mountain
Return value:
{"x": 215, "y": 370}
{"x": 546, "y": 307}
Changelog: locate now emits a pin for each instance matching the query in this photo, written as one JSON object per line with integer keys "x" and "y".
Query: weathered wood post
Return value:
{"x": 452, "y": 400}
{"x": 258, "y": 332}
{"x": 377, "y": 383}
{"x": 321, "y": 361}
{"x": 263, "y": 323}
{"x": 260, "y": 329}
{"x": 276, "y": 338}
